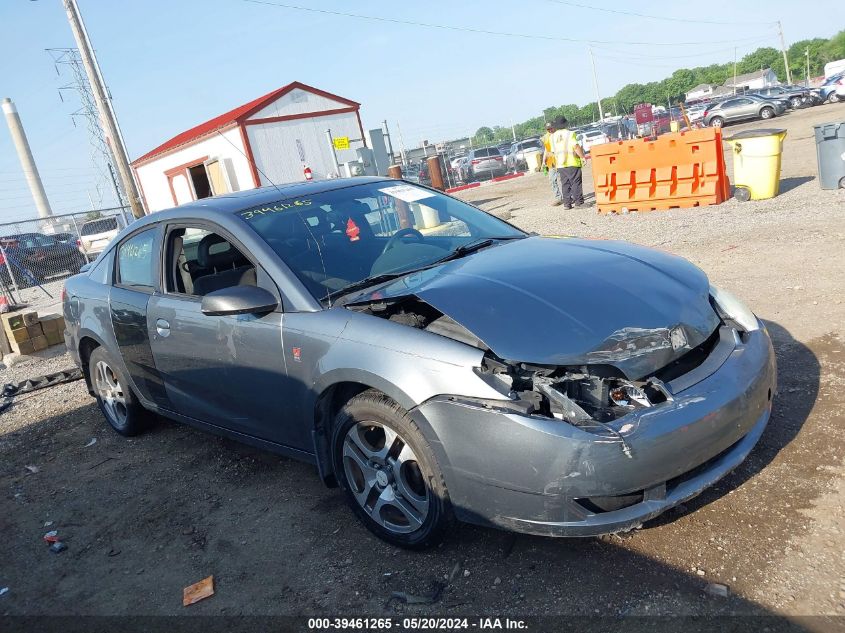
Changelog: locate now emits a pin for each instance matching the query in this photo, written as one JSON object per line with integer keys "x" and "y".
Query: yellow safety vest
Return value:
{"x": 547, "y": 143}
{"x": 563, "y": 147}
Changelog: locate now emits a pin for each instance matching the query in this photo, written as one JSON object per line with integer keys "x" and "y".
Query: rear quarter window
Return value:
{"x": 99, "y": 226}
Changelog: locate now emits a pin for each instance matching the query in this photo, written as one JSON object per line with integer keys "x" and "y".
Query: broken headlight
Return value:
{"x": 583, "y": 398}
{"x": 731, "y": 308}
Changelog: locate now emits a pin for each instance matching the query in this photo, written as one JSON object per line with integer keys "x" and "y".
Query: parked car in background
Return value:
{"x": 95, "y": 235}
{"x": 34, "y": 257}
{"x": 443, "y": 365}
{"x": 741, "y": 109}
{"x": 484, "y": 162}
{"x": 795, "y": 95}
{"x": 695, "y": 112}
{"x": 504, "y": 148}
{"x": 65, "y": 238}
{"x": 589, "y": 138}
{"x": 517, "y": 158}
{"x": 828, "y": 90}
{"x": 455, "y": 161}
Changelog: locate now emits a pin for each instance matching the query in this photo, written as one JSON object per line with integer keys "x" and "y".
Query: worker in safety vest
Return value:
{"x": 549, "y": 162}
{"x": 569, "y": 157}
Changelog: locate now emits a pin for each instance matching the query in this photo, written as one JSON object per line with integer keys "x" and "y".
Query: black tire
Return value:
{"x": 842, "y": 183}
{"x": 796, "y": 102}
{"x": 767, "y": 113}
{"x": 833, "y": 98}
{"x": 717, "y": 121}
{"x": 128, "y": 417}
{"x": 371, "y": 413}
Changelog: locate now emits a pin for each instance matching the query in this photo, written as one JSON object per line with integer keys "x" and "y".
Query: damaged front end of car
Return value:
{"x": 613, "y": 436}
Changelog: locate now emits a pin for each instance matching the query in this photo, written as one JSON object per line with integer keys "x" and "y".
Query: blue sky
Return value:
{"x": 171, "y": 64}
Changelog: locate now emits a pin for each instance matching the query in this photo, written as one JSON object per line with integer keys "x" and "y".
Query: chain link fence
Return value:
{"x": 37, "y": 255}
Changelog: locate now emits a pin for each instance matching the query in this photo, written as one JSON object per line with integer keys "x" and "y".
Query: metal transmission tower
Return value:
{"x": 69, "y": 61}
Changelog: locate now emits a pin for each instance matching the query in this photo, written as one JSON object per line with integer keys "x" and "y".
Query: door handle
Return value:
{"x": 163, "y": 328}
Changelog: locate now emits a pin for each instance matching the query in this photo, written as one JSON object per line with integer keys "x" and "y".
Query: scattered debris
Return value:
{"x": 498, "y": 581}
{"x": 32, "y": 469}
{"x": 466, "y": 573}
{"x": 4, "y": 590}
{"x": 114, "y": 552}
{"x": 715, "y": 589}
{"x": 198, "y": 591}
{"x": 91, "y": 443}
{"x": 454, "y": 572}
{"x": 699, "y": 572}
{"x": 433, "y": 596}
{"x": 48, "y": 523}
{"x": 57, "y": 547}
{"x": 100, "y": 463}
{"x": 52, "y": 536}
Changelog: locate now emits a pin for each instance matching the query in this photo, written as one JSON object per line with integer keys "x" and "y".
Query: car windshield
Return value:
{"x": 345, "y": 237}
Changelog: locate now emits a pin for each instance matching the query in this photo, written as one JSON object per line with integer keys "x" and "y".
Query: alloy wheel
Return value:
{"x": 111, "y": 393}
{"x": 385, "y": 478}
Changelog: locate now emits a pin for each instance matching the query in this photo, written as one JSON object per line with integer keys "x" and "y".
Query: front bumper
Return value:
{"x": 542, "y": 476}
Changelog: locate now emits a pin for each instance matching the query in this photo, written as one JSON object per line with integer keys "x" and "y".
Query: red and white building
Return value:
{"x": 270, "y": 140}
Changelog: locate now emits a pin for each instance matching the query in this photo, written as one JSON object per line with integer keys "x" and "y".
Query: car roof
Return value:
{"x": 240, "y": 200}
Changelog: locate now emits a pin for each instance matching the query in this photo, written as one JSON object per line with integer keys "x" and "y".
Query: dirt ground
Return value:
{"x": 145, "y": 517}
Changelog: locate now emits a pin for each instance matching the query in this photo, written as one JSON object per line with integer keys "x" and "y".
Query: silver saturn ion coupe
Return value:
{"x": 435, "y": 362}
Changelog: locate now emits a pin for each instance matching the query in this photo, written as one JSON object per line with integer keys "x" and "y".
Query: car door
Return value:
{"x": 135, "y": 277}
{"x": 228, "y": 371}
{"x": 746, "y": 108}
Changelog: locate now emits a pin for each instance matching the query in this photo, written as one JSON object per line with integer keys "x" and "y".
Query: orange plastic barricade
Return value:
{"x": 684, "y": 169}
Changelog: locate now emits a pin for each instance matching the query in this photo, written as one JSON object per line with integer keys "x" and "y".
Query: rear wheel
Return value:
{"x": 717, "y": 121}
{"x": 796, "y": 102}
{"x": 833, "y": 98}
{"x": 389, "y": 473}
{"x": 114, "y": 396}
{"x": 767, "y": 113}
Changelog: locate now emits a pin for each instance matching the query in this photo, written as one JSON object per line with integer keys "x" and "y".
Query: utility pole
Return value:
{"x": 785, "y": 59}
{"x": 389, "y": 142}
{"x": 734, "y": 69}
{"x": 596, "y": 83}
{"x": 104, "y": 108}
{"x": 33, "y": 178}
{"x": 807, "y": 76}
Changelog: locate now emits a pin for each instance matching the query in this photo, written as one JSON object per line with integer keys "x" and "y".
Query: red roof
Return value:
{"x": 234, "y": 116}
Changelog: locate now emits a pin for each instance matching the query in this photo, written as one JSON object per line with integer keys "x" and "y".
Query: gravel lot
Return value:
{"x": 145, "y": 517}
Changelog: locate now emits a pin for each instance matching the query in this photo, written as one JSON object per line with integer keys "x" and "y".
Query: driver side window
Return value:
{"x": 200, "y": 261}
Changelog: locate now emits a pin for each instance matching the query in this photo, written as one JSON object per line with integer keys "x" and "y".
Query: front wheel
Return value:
{"x": 389, "y": 473}
{"x": 717, "y": 121}
{"x": 833, "y": 98}
{"x": 796, "y": 102}
{"x": 767, "y": 113}
{"x": 114, "y": 396}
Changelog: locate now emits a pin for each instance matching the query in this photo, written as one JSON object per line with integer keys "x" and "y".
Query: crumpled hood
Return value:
{"x": 552, "y": 301}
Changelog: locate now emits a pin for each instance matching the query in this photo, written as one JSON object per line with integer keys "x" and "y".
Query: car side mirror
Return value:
{"x": 238, "y": 300}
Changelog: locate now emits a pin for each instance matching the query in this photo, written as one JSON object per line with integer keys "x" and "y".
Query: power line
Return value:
{"x": 665, "y": 56}
{"x": 466, "y": 29}
{"x": 656, "y": 17}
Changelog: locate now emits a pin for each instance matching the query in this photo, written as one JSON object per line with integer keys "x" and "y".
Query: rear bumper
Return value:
{"x": 540, "y": 476}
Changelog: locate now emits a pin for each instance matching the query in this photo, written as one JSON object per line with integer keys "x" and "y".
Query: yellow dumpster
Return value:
{"x": 756, "y": 163}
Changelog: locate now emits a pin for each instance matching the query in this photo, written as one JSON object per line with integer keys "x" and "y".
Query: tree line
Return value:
{"x": 672, "y": 88}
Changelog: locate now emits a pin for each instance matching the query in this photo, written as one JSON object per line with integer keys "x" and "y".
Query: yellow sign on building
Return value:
{"x": 341, "y": 142}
